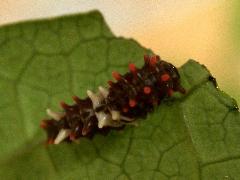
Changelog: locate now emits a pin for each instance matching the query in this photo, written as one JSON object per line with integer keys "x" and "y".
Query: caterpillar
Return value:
{"x": 131, "y": 97}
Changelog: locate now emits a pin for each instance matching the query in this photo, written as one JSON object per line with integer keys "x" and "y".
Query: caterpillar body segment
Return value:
{"x": 132, "y": 96}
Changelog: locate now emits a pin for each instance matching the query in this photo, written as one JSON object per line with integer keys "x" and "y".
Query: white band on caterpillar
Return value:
{"x": 63, "y": 133}
{"x": 55, "y": 115}
{"x": 96, "y": 99}
{"x": 103, "y": 91}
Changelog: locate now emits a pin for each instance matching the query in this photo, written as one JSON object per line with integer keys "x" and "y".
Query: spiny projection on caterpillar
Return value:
{"x": 131, "y": 97}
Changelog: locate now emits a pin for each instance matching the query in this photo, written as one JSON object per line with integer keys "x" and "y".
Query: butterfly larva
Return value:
{"x": 131, "y": 97}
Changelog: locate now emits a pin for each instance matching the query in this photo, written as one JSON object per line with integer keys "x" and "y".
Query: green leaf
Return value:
{"x": 195, "y": 136}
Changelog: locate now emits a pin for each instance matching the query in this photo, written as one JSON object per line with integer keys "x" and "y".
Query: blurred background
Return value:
{"x": 205, "y": 30}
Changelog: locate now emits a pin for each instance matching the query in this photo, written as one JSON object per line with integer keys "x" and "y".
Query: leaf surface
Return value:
{"x": 195, "y": 136}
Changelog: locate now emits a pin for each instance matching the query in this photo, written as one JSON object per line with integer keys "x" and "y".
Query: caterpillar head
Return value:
{"x": 171, "y": 77}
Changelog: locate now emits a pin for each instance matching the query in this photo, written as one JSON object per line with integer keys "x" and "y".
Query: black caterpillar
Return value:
{"x": 132, "y": 96}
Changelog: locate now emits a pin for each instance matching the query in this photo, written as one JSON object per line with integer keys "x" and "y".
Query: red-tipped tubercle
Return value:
{"x": 110, "y": 83}
{"x": 50, "y": 141}
{"x": 165, "y": 77}
{"x": 147, "y": 90}
{"x": 132, "y": 68}
{"x": 63, "y": 105}
{"x": 116, "y": 75}
{"x": 43, "y": 124}
{"x": 132, "y": 103}
{"x": 76, "y": 99}
{"x": 153, "y": 60}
